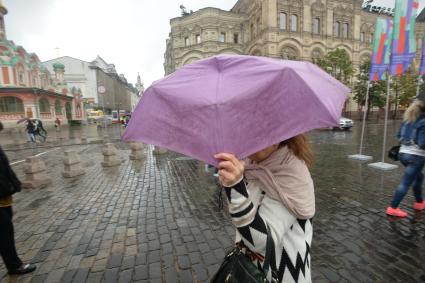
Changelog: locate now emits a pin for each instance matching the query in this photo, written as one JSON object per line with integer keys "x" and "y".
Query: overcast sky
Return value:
{"x": 128, "y": 33}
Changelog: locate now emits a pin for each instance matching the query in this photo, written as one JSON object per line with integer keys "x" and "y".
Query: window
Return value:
{"x": 371, "y": 38}
{"x": 34, "y": 82}
{"x": 362, "y": 34}
{"x": 316, "y": 26}
{"x": 252, "y": 31}
{"x": 282, "y": 21}
{"x": 316, "y": 55}
{"x": 198, "y": 39}
{"x": 345, "y": 30}
{"x": 186, "y": 41}
{"x": 294, "y": 23}
{"x": 337, "y": 27}
{"x": 58, "y": 108}
{"x": 289, "y": 53}
{"x": 44, "y": 105}
{"x": 10, "y": 104}
{"x": 236, "y": 38}
{"x": 222, "y": 37}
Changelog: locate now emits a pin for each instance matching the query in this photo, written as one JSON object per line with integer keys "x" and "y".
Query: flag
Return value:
{"x": 381, "y": 49}
{"x": 403, "y": 40}
{"x": 422, "y": 67}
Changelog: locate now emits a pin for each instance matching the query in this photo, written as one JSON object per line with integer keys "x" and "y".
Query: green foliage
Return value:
{"x": 377, "y": 90}
{"x": 338, "y": 64}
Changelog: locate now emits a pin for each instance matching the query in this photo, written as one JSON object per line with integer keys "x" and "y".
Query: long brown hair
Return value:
{"x": 301, "y": 148}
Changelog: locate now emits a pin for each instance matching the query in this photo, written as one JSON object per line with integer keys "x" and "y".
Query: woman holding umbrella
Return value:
{"x": 277, "y": 197}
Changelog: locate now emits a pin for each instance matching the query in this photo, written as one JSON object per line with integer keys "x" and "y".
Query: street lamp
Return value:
{"x": 101, "y": 90}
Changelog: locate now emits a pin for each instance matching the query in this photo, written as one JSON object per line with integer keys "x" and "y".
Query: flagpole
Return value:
{"x": 386, "y": 118}
{"x": 366, "y": 109}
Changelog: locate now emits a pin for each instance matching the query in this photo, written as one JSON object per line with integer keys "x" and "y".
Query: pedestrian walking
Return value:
{"x": 31, "y": 130}
{"x": 57, "y": 124}
{"x": 9, "y": 185}
{"x": 412, "y": 155}
{"x": 275, "y": 200}
{"x": 40, "y": 130}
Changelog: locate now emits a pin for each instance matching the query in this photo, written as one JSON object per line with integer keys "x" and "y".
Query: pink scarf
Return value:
{"x": 285, "y": 178}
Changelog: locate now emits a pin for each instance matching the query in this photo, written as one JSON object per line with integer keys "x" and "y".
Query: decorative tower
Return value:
{"x": 139, "y": 85}
{"x": 3, "y": 12}
{"x": 59, "y": 69}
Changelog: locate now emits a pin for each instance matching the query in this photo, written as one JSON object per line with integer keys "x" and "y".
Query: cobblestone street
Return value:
{"x": 158, "y": 220}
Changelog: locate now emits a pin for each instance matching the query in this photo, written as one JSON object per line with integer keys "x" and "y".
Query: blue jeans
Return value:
{"x": 412, "y": 176}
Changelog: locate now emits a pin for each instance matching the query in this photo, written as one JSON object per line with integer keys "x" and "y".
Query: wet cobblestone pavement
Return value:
{"x": 158, "y": 220}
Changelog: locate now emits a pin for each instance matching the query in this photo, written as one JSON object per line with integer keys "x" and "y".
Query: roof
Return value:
{"x": 34, "y": 91}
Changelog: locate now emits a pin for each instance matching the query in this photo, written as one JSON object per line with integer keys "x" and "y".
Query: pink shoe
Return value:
{"x": 396, "y": 212}
{"x": 419, "y": 205}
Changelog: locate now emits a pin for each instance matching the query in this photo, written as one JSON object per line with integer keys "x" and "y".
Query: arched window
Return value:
{"x": 44, "y": 105}
{"x": 362, "y": 35}
{"x": 294, "y": 23}
{"x": 252, "y": 31}
{"x": 337, "y": 27}
{"x": 316, "y": 55}
{"x": 371, "y": 38}
{"x": 316, "y": 26}
{"x": 282, "y": 21}
{"x": 11, "y": 104}
{"x": 289, "y": 53}
{"x": 58, "y": 107}
{"x": 345, "y": 30}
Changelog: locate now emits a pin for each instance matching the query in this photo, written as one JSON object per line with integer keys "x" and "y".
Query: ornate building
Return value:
{"x": 287, "y": 29}
{"x": 27, "y": 89}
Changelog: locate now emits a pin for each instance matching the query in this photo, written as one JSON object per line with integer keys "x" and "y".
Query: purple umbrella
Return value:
{"x": 235, "y": 104}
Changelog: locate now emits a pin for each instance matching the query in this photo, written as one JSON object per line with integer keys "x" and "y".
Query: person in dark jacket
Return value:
{"x": 412, "y": 155}
{"x": 9, "y": 184}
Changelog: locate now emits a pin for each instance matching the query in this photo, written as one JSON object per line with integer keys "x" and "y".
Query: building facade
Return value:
{"x": 88, "y": 76}
{"x": 285, "y": 29}
{"x": 28, "y": 89}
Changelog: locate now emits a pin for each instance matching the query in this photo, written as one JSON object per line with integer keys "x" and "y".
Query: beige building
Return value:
{"x": 287, "y": 29}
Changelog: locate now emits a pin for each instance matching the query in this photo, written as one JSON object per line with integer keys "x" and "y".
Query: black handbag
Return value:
{"x": 393, "y": 152}
{"x": 238, "y": 267}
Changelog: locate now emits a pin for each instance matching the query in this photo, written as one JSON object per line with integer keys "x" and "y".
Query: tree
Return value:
{"x": 403, "y": 90}
{"x": 338, "y": 64}
{"x": 376, "y": 92}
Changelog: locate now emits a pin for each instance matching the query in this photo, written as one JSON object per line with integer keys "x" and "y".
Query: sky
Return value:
{"x": 128, "y": 33}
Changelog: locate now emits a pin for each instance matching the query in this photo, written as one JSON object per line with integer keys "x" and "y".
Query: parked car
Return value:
{"x": 345, "y": 123}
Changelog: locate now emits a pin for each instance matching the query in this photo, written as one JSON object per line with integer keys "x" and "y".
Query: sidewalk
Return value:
{"x": 159, "y": 221}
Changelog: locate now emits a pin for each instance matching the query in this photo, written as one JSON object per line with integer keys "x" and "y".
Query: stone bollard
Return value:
{"x": 105, "y": 138}
{"x": 136, "y": 151}
{"x": 159, "y": 150}
{"x": 72, "y": 164}
{"x": 110, "y": 156}
{"x": 83, "y": 138}
{"x": 35, "y": 173}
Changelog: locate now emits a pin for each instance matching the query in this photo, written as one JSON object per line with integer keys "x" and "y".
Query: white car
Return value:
{"x": 345, "y": 123}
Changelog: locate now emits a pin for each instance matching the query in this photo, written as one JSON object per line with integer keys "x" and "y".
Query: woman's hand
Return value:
{"x": 230, "y": 169}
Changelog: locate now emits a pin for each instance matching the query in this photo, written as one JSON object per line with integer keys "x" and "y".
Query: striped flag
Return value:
{"x": 381, "y": 49}
{"x": 422, "y": 67}
{"x": 404, "y": 43}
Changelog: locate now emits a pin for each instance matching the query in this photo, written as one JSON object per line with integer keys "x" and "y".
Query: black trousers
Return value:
{"x": 7, "y": 239}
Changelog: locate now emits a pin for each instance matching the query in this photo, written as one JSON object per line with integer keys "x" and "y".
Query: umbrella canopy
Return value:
{"x": 235, "y": 104}
{"x": 22, "y": 120}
